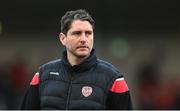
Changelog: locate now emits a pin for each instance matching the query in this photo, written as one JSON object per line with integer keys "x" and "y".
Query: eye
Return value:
{"x": 76, "y": 33}
{"x": 88, "y": 32}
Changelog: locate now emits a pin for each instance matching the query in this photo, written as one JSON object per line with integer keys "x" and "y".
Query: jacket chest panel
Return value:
{"x": 71, "y": 91}
{"x": 84, "y": 90}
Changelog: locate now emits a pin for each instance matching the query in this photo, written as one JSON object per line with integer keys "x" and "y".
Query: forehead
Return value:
{"x": 81, "y": 25}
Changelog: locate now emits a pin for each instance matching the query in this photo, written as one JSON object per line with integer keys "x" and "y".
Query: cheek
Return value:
{"x": 91, "y": 41}
{"x": 70, "y": 43}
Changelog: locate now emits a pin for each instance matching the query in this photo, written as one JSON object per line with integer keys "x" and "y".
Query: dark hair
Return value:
{"x": 70, "y": 16}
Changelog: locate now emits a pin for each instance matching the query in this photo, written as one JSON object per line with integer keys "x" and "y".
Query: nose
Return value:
{"x": 83, "y": 37}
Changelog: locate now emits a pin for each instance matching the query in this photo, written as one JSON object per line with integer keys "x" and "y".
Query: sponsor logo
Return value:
{"x": 54, "y": 73}
{"x": 86, "y": 91}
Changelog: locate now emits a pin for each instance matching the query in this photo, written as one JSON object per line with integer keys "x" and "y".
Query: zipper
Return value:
{"x": 69, "y": 93}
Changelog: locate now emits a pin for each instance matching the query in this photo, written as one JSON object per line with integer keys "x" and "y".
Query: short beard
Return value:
{"x": 80, "y": 56}
{"x": 77, "y": 55}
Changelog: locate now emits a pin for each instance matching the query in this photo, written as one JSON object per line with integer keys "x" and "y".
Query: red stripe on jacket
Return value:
{"x": 35, "y": 79}
{"x": 119, "y": 86}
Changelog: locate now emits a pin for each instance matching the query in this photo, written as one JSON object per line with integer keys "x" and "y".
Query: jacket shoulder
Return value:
{"x": 51, "y": 64}
{"x": 107, "y": 72}
{"x": 106, "y": 67}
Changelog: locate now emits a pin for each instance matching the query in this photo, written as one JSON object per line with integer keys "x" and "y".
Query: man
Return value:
{"x": 79, "y": 80}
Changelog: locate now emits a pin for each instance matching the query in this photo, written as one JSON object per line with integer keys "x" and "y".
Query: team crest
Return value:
{"x": 86, "y": 91}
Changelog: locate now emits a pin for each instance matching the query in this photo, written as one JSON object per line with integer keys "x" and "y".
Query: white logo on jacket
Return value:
{"x": 54, "y": 73}
{"x": 86, "y": 91}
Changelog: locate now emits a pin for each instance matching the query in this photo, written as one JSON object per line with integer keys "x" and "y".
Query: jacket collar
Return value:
{"x": 83, "y": 66}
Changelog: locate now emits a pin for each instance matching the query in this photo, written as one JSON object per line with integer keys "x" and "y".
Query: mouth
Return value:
{"x": 82, "y": 47}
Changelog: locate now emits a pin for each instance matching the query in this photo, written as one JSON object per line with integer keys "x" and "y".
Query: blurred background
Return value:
{"x": 140, "y": 37}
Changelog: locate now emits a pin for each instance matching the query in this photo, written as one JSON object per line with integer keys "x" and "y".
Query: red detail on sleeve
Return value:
{"x": 119, "y": 86}
{"x": 35, "y": 79}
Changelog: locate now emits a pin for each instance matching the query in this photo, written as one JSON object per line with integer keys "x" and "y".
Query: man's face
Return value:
{"x": 79, "y": 39}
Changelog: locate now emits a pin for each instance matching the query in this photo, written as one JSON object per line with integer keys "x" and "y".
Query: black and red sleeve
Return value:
{"x": 31, "y": 99}
{"x": 119, "y": 96}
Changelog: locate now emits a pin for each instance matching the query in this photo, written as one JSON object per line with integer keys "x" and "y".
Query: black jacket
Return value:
{"x": 94, "y": 84}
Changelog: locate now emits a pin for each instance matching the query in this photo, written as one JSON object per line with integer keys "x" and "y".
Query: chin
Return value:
{"x": 82, "y": 55}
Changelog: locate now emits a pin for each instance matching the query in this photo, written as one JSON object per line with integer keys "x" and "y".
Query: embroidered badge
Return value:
{"x": 86, "y": 91}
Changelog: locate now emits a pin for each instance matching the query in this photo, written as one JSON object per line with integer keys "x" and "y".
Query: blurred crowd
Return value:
{"x": 13, "y": 80}
{"x": 156, "y": 91}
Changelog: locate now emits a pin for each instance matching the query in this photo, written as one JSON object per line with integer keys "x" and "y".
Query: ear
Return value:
{"x": 62, "y": 38}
